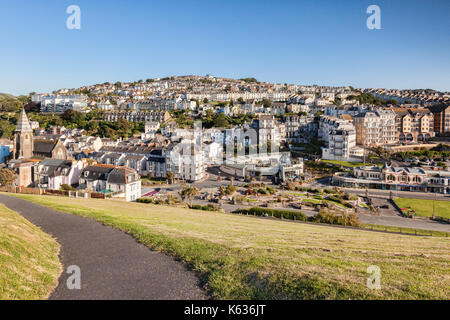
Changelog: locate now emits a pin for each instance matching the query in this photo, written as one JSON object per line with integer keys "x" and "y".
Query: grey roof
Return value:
{"x": 134, "y": 157}
{"x": 23, "y": 125}
{"x": 415, "y": 170}
{"x": 113, "y": 155}
{"x": 128, "y": 149}
{"x": 56, "y": 163}
{"x": 56, "y": 167}
{"x": 96, "y": 172}
{"x": 123, "y": 175}
{"x": 43, "y": 146}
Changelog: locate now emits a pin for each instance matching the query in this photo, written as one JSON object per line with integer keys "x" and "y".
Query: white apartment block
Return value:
{"x": 59, "y": 104}
{"x": 185, "y": 161}
{"x": 375, "y": 128}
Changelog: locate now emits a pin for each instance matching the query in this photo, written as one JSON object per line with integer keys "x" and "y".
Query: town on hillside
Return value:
{"x": 230, "y": 143}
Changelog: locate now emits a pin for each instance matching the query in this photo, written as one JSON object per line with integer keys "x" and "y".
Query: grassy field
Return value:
{"x": 29, "y": 265}
{"x": 350, "y": 164}
{"x": 344, "y": 163}
{"x": 424, "y": 208}
{"x": 240, "y": 257}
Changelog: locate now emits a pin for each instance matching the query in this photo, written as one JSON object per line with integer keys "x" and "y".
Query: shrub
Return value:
{"x": 262, "y": 191}
{"x": 270, "y": 190}
{"x": 209, "y": 207}
{"x": 264, "y": 212}
{"x": 329, "y": 217}
{"x": 66, "y": 187}
{"x": 348, "y": 196}
{"x": 145, "y": 200}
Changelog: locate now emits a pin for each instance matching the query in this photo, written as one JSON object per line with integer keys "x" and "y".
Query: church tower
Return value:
{"x": 23, "y": 138}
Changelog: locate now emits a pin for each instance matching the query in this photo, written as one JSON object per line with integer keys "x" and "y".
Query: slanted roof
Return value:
{"x": 43, "y": 146}
{"x": 23, "y": 125}
{"x": 56, "y": 163}
{"x": 123, "y": 175}
{"x": 439, "y": 107}
{"x": 134, "y": 157}
{"x": 97, "y": 172}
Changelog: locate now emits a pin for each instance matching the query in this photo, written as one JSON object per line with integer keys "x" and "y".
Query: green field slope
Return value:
{"x": 240, "y": 257}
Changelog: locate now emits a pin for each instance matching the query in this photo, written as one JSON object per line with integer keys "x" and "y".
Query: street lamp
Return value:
{"x": 434, "y": 204}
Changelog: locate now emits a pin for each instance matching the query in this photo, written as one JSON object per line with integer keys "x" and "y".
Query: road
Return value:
{"x": 113, "y": 265}
{"x": 323, "y": 184}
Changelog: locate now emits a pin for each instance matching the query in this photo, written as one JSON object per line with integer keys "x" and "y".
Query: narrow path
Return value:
{"x": 113, "y": 265}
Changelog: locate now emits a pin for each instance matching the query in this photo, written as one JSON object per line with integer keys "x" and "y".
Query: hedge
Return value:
{"x": 285, "y": 214}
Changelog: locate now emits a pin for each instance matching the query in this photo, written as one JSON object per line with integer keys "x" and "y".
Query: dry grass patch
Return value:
{"x": 29, "y": 265}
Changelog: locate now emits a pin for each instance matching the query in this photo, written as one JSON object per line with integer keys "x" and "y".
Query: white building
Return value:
{"x": 59, "y": 104}
{"x": 124, "y": 180}
{"x": 186, "y": 161}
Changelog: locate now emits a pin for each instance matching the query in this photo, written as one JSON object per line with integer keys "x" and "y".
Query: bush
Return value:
{"x": 209, "y": 207}
{"x": 144, "y": 200}
{"x": 348, "y": 196}
{"x": 262, "y": 191}
{"x": 338, "y": 199}
{"x": 329, "y": 217}
{"x": 265, "y": 212}
{"x": 66, "y": 187}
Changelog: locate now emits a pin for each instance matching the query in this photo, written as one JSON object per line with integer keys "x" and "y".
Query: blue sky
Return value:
{"x": 305, "y": 42}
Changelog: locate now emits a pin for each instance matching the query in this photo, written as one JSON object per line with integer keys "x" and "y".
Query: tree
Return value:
{"x": 266, "y": 103}
{"x": 221, "y": 120}
{"x": 6, "y": 129}
{"x": 7, "y": 177}
{"x": 170, "y": 177}
{"x": 189, "y": 193}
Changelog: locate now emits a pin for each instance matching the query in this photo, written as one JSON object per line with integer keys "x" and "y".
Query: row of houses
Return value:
{"x": 396, "y": 178}
{"x": 52, "y": 174}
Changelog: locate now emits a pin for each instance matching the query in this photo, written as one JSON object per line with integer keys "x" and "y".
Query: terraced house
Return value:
{"x": 396, "y": 178}
{"x": 413, "y": 124}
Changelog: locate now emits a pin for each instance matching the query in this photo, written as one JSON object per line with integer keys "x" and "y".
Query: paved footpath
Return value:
{"x": 113, "y": 265}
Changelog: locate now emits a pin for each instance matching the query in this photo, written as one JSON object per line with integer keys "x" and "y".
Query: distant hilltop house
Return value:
{"x": 135, "y": 116}
{"x": 60, "y": 103}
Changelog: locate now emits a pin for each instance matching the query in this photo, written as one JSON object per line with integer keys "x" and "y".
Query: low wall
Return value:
{"x": 38, "y": 191}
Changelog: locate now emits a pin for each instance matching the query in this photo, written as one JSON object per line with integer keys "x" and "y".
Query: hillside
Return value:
{"x": 240, "y": 257}
{"x": 9, "y": 103}
{"x": 29, "y": 264}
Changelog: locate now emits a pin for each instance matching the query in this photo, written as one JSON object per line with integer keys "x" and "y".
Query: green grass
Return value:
{"x": 344, "y": 163}
{"x": 420, "y": 232}
{"x": 424, "y": 207}
{"x": 242, "y": 257}
{"x": 29, "y": 265}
